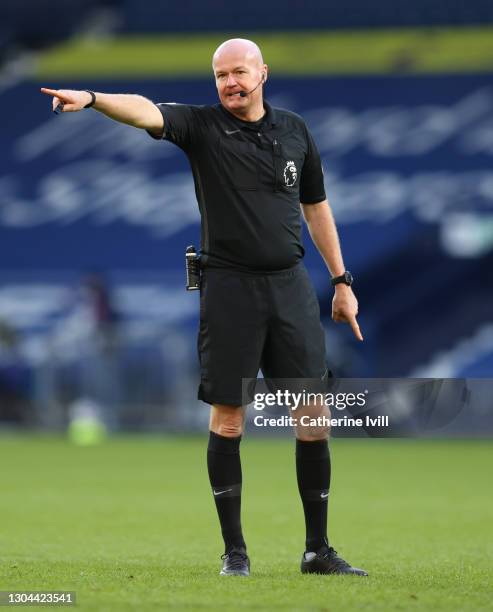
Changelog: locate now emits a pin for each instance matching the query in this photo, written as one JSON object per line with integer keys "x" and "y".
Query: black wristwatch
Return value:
{"x": 346, "y": 278}
{"x": 93, "y": 98}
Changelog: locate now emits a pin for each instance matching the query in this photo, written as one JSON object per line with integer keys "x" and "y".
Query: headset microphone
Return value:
{"x": 244, "y": 94}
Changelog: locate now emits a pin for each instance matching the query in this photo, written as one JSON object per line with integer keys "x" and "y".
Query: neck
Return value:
{"x": 253, "y": 113}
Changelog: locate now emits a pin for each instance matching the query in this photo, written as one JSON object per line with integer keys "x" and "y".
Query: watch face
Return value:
{"x": 348, "y": 278}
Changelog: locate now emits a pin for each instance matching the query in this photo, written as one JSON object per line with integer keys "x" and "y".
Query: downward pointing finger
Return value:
{"x": 355, "y": 328}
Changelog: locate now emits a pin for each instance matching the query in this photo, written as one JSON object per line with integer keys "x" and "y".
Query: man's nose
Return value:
{"x": 230, "y": 82}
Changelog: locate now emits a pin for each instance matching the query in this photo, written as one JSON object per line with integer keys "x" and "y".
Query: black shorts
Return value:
{"x": 251, "y": 321}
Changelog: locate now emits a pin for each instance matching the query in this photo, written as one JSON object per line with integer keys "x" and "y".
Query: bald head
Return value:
{"x": 240, "y": 73}
{"x": 236, "y": 49}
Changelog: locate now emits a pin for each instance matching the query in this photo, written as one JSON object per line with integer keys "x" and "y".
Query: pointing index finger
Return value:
{"x": 355, "y": 328}
{"x": 55, "y": 93}
{"x": 49, "y": 92}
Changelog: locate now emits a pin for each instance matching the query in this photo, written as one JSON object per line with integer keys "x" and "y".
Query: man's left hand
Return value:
{"x": 345, "y": 308}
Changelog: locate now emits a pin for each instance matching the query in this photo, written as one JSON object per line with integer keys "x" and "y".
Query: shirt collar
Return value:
{"x": 270, "y": 114}
{"x": 269, "y": 119}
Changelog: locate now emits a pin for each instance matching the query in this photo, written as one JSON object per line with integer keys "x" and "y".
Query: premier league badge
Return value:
{"x": 290, "y": 174}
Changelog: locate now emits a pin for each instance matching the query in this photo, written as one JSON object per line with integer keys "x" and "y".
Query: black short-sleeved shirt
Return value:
{"x": 250, "y": 178}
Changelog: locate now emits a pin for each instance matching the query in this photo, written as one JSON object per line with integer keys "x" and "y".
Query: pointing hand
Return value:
{"x": 67, "y": 100}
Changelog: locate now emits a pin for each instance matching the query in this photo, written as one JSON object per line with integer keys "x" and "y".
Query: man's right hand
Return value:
{"x": 70, "y": 100}
{"x": 131, "y": 109}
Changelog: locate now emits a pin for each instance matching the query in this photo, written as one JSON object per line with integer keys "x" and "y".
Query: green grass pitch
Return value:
{"x": 130, "y": 525}
{"x": 387, "y": 51}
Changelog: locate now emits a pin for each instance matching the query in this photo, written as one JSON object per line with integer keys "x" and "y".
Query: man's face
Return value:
{"x": 234, "y": 73}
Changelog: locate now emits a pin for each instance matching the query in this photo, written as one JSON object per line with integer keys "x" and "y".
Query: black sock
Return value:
{"x": 223, "y": 463}
{"x": 313, "y": 472}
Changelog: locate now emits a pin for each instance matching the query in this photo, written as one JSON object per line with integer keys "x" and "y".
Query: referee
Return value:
{"x": 252, "y": 166}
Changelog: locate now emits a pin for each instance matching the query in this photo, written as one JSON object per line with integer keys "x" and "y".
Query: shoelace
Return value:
{"x": 331, "y": 555}
{"x": 236, "y": 558}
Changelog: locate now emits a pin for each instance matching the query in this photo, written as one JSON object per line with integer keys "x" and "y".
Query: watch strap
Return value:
{"x": 346, "y": 279}
{"x": 93, "y": 98}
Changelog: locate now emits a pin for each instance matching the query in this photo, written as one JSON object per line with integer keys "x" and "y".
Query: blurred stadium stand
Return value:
{"x": 220, "y": 15}
{"x": 36, "y": 24}
{"x": 408, "y": 171}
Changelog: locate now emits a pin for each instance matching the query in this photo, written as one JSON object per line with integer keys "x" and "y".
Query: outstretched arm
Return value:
{"x": 127, "y": 108}
{"x": 323, "y": 231}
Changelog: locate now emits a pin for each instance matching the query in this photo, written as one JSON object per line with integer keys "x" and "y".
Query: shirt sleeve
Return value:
{"x": 180, "y": 124}
{"x": 312, "y": 190}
